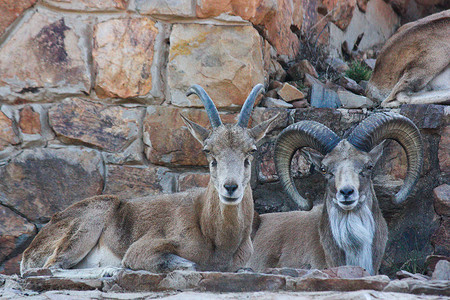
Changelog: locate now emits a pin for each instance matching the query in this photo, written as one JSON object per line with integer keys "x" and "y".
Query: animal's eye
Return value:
{"x": 214, "y": 162}
{"x": 207, "y": 151}
{"x": 253, "y": 150}
{"x": 323, "y": 170}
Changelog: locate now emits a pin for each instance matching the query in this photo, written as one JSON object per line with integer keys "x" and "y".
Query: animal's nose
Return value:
{"x": 347, "y": 191}
{"x": 230, "y": 188}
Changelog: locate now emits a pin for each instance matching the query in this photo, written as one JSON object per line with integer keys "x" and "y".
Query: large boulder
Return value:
{"x": 10, "y": 10}
{"x": 40, "y": 182}
{"x": 210, "y": 55}
{"x": 15, "y": 234}
{"x": 109, "y": 128}
{"x": 46, "y": 55}
{"x": 123, "y": 57}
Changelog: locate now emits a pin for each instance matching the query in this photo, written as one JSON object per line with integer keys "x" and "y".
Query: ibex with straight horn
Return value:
{"x": 204, "y": 229}
{"x": 348, "y": 229}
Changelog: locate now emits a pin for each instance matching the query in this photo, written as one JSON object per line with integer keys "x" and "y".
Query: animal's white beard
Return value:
{"x": 353, "y": 232}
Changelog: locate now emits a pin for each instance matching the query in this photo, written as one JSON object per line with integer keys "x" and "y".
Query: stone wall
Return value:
{"x": 91, "y": 93}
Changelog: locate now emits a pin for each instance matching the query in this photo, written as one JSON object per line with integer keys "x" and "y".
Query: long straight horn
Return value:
{"x": 210, "y": 108}
{"x": 388, "y": 125}
{"x": 247, "y": 108}
{"x": 296, "y": 136}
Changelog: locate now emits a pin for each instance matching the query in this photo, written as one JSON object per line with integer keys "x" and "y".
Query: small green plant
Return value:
{"x": 358, "y": 71}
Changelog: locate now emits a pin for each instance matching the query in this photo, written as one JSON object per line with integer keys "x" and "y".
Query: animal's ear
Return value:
{"x": 377, "y": 151}
{"x": 313, "y": 157}
{"x": 260, "y": 130}
{"x": 199, "y": 132}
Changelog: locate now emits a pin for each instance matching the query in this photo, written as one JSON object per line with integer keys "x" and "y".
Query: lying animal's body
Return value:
{"x": 103, "y": 231}
{"x": 349, "y": 228}
{"x": 205, "y": 229}
{"x": 414, "y": 65}
{"x": 278, "y": 245}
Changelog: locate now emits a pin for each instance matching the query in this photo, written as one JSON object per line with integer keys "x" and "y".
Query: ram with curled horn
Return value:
{"x": 348, "y": 229}
{"x": 204, "y": 229}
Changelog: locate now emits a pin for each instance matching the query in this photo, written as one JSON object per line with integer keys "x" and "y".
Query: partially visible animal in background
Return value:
{"x": 413, "y": 66}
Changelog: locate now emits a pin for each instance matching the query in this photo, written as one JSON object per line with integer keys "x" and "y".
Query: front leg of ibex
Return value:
{"x": 242, "y": 256}
{"x": 155, "y": 255}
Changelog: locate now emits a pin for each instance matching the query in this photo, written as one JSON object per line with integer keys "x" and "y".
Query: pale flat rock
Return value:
{"x": 47, "y": 55}
{"x": 350, "y": 100}
{"x": 225, "y": 60}
{"x": 402, "y": 274}
{"x": 123, "y": 57}
{"x": 88, "y": 5}
{"x": 275, "y": 103}
{"x": 290, "y": 93}
{"x": 172, "y": 8}
{"x": 442, "y": 270}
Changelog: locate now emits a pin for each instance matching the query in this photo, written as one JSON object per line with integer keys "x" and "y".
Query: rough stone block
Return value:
{"x": 167, "y": 8}
{"x": 40, "y": 182}
{"x": 109, "y": 128}
{"x": 46, "y": 283}
{"x": 444, "y": 150}
{"x": 37, "y": 272}
{"x": 441, "y": 196}
{"x": 10, "y": 10}
{"x": 138, "y": 281}
{"x": 188, "y": 181}
{"x": 15, "y": 232}
{"x": 290, "y": 93}
{"x": 351, "y": 85}
{"x": 298, "y": 70}
{"x": 350, "y": 100}
{"x": 168, "y": 141}
{"x": 181, "y": 280}
{"x": 211, "y": 56}
{"x": 128, "y": 182}
{"x": 347, "y": 272}
{"x": 265, "y": 165}
{"x": 402, "y": 274}
{"x": 377, "y": 283}
{"x": 123, "y": 57}
{"x": 341, "y": 12}
{"x": 441, "y": 238}
{"x": 442, "y": 271}
{"x": 88, "y": 5}
{"x": 46, "y": 55}
{"x": 275, "y": 103}
{"x": 29, "y": 122}
{"x": 426, "y": 116}
{"x": 240, "y": 282}
{"x": 321, "y": 97}
{"x": 8, "y": 131}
